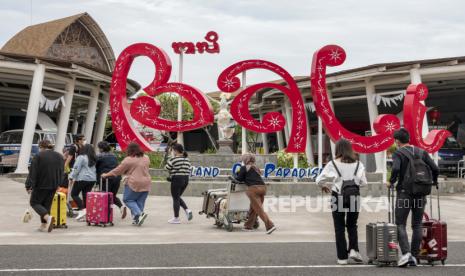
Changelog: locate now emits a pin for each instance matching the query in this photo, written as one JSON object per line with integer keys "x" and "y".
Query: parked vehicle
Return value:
{"x": 10, "y": 144}
{"x": 449, "y": 156}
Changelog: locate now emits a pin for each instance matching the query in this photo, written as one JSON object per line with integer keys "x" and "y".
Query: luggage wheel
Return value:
{"x": 443, "y": 262}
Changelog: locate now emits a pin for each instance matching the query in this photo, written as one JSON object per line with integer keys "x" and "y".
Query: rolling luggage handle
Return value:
{"x": 100, "y": 186}
{"x": 391, "y": 204}
{"x": 431, "y": 205}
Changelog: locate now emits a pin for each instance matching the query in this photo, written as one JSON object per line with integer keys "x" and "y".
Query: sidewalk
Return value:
{"x": 292, "y": 226}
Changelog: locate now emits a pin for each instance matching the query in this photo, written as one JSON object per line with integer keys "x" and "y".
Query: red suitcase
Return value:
{"x": 434, "y": 243}
{"x": 99, "y": 210}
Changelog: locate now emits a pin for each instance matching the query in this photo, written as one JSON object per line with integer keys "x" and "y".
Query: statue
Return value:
{"x": 226, "y": 124}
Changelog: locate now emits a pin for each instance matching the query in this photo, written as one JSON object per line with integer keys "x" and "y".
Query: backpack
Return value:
{"x": 349, "y": 187}
{"x": 418, "y": 178}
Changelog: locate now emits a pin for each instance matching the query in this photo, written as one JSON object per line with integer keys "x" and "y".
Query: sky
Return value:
{"x": 283, "y": 32}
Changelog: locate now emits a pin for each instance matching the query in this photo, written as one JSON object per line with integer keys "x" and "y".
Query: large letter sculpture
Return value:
{"x": 384, "y": 125}
{"x": 414, "y": 113}
{"x": 272, "y": 121}
{"x": 146, "y": 109}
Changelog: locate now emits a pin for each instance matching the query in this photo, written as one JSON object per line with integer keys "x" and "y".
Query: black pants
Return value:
{"x": 41, "y": 201}
{"x": 178, "y": 186}
{"x": 81, "y": 187}
{"x": 344, "y": 219}
{"x": 113, "y": 187}
{"x": 405, "y": 203}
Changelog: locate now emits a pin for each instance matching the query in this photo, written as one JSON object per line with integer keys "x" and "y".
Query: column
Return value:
{"x": 332, "y": 144}
{"x": 180, "y": 134}
{"x": 372, "y": 114}
{"x": 74, "y": 128}
{"x": 64, "y": 115}
{"x": 264, "y": 136}
{"x": 31, "y": 119}
{"x": 279, "y": 138}
{"x": 101, "y": 119}
{"x": 244, "y": 130}
{"x": 320, "y": 143}
{"x": 309, "y": 148}
{"x": 91, "y": 110}
{"x": 286, "y": 129}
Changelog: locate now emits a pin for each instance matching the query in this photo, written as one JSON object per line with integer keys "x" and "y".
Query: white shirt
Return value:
{"x": 329, "y": 176}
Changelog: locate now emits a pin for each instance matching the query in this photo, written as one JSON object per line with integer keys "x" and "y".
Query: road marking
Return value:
{"x": 199, "y": 267}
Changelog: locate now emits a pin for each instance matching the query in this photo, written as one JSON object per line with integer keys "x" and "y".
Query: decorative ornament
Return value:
{"x": 50, "y": 105}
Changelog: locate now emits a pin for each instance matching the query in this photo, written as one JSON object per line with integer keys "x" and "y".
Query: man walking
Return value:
{"x": 415, "y": 173}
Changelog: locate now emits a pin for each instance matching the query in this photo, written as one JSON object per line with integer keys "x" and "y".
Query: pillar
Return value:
{"x": 91, "y": 110}
{"x": 279, "y": 139}
{"x": 65, "y": 111}
{"x": 309, "y": 147}
{"x": 372, "y": 114}
{"x": 101, "y": 119}
{"x": 31, "y": 119}
{"x": 332, "y": 144}
{"x": 286, "y": 129}
{"x": 74, "y": 128}
{"x": 244, "y": 130}
{"x": 320, "y": 143}
{"x": 264, "y": 136}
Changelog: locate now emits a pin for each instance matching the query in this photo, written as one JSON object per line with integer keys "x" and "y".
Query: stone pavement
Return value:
{"x": 293, "y": 226}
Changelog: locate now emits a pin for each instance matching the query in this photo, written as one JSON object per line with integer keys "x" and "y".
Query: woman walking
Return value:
{"x": 107, "y": 161}
{"x": 84, "y": 176}
{"x": 46, "y": 173}
{"x": 342, "y": 178}
{"x": 138, "y": 181}
{"x": 256, "y": 191}
{"x": 179, "y": 168}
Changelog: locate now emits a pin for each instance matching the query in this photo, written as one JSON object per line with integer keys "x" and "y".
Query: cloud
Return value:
{"x": 284, "y": 32}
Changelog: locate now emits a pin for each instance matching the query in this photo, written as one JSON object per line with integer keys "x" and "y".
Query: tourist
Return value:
{"x": 83, "y": 175}
{"x": 72, "y": 151}
{"x": 256, "y": 191}
{"x": 46, "y": 173}
{"x": 336, "y": 178}
{"x": 406, "y": 200}
{"x": 107, "y": 161}
{"x": 137, "y": 183}
{"x": 179, "y": 168}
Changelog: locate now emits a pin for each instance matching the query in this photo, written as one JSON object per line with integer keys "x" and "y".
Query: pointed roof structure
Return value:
{"x": 76, "y": 38}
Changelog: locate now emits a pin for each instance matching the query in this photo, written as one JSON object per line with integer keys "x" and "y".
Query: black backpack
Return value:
{"x": 418, "y": 178}
{"x": 349, "y": 187}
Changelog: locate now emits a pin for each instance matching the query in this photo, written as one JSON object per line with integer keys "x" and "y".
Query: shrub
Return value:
{"x": 286, "y": 160}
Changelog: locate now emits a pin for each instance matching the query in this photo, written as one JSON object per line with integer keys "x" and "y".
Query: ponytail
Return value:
{"x": 184, "y": 153}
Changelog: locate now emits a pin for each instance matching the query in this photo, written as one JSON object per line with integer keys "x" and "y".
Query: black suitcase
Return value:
{"x": 381, "y": 238}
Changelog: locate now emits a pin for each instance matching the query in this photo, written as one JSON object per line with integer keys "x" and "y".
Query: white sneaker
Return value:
{"x": 49, "y": 225}
{"x": 81, "y": 215}
{"x": 174, "y": 221}
{"x": 342, "y": 262}
{"x": 404, "y": 260}
{"x": 189, "y": 214}
{"x": 356, "y": 256}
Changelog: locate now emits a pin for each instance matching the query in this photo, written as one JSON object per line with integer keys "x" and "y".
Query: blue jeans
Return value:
{"x": 135, "y": 201}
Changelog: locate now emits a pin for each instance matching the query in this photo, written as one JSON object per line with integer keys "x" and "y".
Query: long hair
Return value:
{"x": 249, "y": 162}
{"x": 134, "y": 150}
{"x": 179, "y": 148}
{"x": 88, "y": 150}
{"x": 46, "y": 144}
{"x": 345, "y": 152}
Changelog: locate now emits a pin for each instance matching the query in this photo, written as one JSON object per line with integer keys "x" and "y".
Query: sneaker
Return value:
{"x": 404, "y": 260}
{"x": 49, "y": 224}
{"x": 271, "y": 230}
{"x": 342, "y": 262}
{"x": 412, "y": 261}
{"x": 189, "y": 214}
{"x": 355, "y": 256}
{"x": 81, "y": 215}
{"x": 124, "y": 211}
{"x": 141, "y": 219}
{"x": 245, "y": 229}
{"x": 174, "y": 221}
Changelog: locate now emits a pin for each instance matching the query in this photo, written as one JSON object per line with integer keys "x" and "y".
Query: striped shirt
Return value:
{"x": 178, "y": 166}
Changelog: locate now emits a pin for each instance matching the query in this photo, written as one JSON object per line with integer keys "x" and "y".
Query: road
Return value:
{"x": 312, "y": 258}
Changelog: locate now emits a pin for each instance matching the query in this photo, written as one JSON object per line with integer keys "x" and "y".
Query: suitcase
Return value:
{"x": 434, "y": 242}
{"x": 381, "y": 238}
{"x": 99, "y": 207}
{"x": 58, "y": 210}
{"x": 209, "y": 198}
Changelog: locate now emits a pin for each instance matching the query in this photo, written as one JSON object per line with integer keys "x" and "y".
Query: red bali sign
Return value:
{"x": 190, "y": 47}
{"x": 146, "y": 109}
